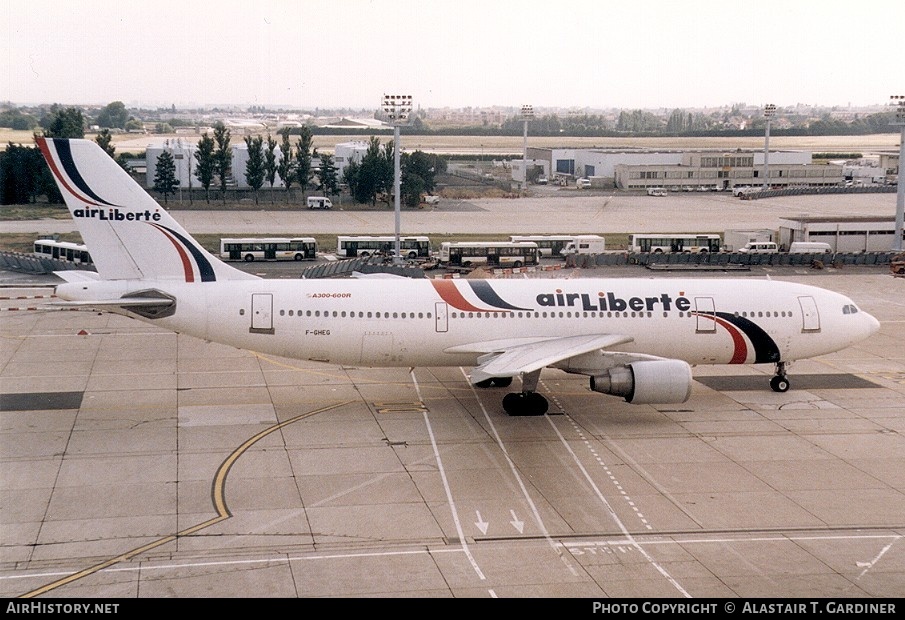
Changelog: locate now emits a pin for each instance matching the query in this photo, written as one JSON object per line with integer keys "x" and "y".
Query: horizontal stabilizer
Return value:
{"x": 125, "y": 302}
{"x": 150, "y": 304}
{"x": 77, "y": 275}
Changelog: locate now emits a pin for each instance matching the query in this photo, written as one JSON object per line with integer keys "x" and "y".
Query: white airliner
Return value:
{"x": 634, "y": 338}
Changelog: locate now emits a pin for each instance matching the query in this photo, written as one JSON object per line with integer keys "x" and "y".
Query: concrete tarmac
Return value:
{"x": 138, "y": 463}
{"x": 141, "y": 463}
{"x": 549, "y": 211}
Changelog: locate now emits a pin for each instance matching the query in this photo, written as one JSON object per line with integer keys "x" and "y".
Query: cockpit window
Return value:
{"x": 849, "y": 309}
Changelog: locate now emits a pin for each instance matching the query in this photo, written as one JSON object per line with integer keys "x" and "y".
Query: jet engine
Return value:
{"x": 647, "y": 382}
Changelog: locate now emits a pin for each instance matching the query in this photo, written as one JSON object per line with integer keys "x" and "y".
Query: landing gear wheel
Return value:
{"x": 525, "y": 404}
{"x": 779, "y": 383}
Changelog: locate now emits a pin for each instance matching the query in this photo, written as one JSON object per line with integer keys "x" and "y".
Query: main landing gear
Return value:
{"x": 524, "y": 403}
{"x": 780, "y": 382}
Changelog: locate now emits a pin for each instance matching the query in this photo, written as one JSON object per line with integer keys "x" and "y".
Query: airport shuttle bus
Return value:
{"x": 410, "y": 247}
{"x": 269, "y": 248}
{"x": 63, "y": 250}
{"x": 490, "y": 253}
{"x": 662, "y": 242}
{"x": 547, "y": 245}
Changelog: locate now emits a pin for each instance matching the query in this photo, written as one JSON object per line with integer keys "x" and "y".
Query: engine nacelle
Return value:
{"x": 657, "y": 382}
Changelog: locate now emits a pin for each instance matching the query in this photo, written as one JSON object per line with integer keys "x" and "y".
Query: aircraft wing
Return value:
{"x": 508, "y": 358}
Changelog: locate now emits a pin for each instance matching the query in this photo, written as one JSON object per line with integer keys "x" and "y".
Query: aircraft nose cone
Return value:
{"x": 873, "y": 325}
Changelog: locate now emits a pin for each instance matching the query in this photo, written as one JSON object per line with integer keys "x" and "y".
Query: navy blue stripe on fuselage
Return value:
{"x": 205, "y": 269}
{"x": 489, "y": 296}
{"x": 765, "y": 348}
{"x": 64, "y": 152}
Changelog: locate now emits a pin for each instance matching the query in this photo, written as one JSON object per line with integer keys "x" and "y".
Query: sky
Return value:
{"x": 595, "y": 54}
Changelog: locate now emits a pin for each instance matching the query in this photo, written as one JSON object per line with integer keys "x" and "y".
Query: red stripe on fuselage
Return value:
{"x": 451, "y": 295}
{"x": 740, "y": 347}
{"x": 740, "y": 354}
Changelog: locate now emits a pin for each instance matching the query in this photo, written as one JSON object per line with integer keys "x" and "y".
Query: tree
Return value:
{"x": 411, "y": 187}
{"x": 351, "y": 174}
{"x": 270, "y": 164}
{"x": 422, "y": 165}
{"x": 387, "y": 174}
{"x": 105, "y": 140}
{"x": 374, "y": 175}
{"x": 165, "y": 180}
{"x": 254, "y": 167}
{"x": 303, "y": 158}
{"x": 206, "y": 167}
{"x": 16, "y": 182}
{"x": 15, "y": 119}
{"x": 285, "y": 166}
{"x": 326, "y": 174}
{"x": 65, "y": 123}
{"x": 113, "y": 115}
{"x": 223, "y": 156}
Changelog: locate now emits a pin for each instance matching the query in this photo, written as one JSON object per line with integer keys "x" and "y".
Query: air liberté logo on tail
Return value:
{"x": 115, "y": 215}
{"x": 63, "y": 166}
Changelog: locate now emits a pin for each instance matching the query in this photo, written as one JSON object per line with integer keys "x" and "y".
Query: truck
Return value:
{"x": 584, "y": 244}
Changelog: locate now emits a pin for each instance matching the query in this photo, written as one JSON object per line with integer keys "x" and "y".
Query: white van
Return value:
{"x": 656, "y": 191}
{"x": 584, "y": 244}
{"x": 583, "y": 183}
{"x": 759, "y": 247}
{"x": 319, "y": 202}
{"x": 809, "y": 247}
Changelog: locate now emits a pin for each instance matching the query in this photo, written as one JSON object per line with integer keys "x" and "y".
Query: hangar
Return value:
{"x": 844, "y": 234}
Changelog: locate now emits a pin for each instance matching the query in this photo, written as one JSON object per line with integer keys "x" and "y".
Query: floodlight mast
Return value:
{"x": 398, "y": 108}
{"x": 899, "y": 121}
{"x": 769, "y": 113}
{"x": 527, "y": 115}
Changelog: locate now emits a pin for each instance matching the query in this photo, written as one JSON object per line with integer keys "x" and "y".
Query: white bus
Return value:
{"x": 410, "y": 247}
{"x": 490, "y": 253}
{"x": 547, "y": 245}
{"x": 675, "y": 242}
{"x": 63, "y": 250}
{"x": 269, "y": 248}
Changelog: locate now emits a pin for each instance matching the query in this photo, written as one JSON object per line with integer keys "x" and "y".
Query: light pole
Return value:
{"x": 900, "y": 193}
{"x": 769, "y": 113}
{"x": 527, "y": 115}
{"x": 397, "y": 108}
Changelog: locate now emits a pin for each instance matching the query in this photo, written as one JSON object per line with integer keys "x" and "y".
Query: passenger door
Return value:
{"x": 705, "y": 315}
{"x": 261, "y": 313}
{"x": 810, "y": 317}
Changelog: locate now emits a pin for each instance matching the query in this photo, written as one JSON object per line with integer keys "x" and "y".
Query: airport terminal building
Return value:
{"x": 677, "y": 170}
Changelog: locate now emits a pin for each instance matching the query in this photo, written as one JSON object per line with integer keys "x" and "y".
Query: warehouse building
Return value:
{"x": 844, "y": 234}
{"x": 677, "y": 170}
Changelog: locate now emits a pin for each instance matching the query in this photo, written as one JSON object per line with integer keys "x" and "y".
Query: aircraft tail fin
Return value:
{"x": 128, "y": 234}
